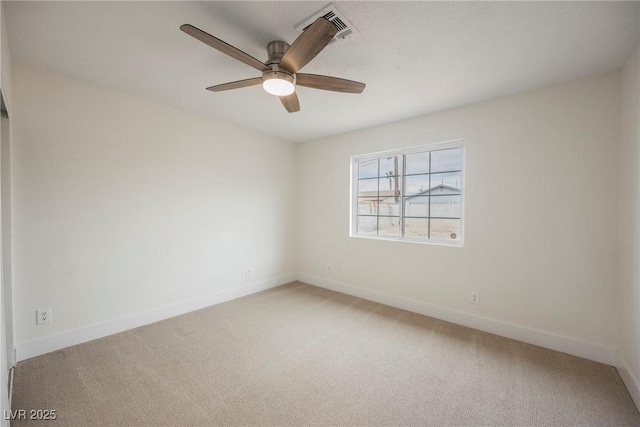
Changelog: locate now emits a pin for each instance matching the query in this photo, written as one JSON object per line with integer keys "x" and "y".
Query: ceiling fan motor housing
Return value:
{"x": 278, "y": 73}
{"x": 276, "y": 49}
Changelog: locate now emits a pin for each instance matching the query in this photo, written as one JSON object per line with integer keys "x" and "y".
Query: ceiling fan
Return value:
{"x": 280, "y": 72}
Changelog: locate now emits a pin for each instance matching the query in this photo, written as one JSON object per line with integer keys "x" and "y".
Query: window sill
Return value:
{"x": 456, "y": 244}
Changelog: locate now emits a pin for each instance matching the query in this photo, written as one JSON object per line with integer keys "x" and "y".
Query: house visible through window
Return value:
{"x": 414, "y": 194}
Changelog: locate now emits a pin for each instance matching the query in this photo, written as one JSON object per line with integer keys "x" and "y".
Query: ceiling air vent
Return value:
{"x": 333, "y": 15}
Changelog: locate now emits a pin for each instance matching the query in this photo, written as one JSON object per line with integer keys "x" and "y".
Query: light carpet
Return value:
{"x": 301, "y": 355}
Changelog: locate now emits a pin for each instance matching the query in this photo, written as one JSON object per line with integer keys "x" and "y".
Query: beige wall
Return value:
{"x": 123, "y": 205}
{"x": 5, "y": 60}
{"x": 541, "y": 212}
{"x": 5, "y": 85}
{"x": 629, "y": 227}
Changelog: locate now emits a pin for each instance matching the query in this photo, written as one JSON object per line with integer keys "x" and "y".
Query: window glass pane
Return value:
{"x": 445, "y": 206}
{"x": 416, "y": 163}
{"x": 389, "y": 226}
{"x": 389, "y": 207}
{"x": 368, "y": 169}
{"x": 388, "y": 185}
{"x": 446, "y": 160}
{"x": 367, "y": 206}
{"x": 416, "y": 227}
{"x": 388, "y": 166}
{"x": 445, "y": 229}
{"x": 387, "y": 195}
{"x": 445, "y": 183}
{"x": 416, "y": 206}
{"x": 416, "y": 184}
{"x": 367, "y": 225}
{"x": 368, "y": 187}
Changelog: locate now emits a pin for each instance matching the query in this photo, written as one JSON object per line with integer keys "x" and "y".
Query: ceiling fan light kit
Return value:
{"x": 278, "y": 83}
{"x": 280, "y": 72}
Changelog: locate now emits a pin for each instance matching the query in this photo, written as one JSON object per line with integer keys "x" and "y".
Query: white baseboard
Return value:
{"x": 597, "y": 352}
{"x": 65, "y": 339}
{"x": 629, "y": 379}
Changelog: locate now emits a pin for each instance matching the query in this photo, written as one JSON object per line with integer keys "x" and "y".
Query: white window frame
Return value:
{"x": 353, "y": 210}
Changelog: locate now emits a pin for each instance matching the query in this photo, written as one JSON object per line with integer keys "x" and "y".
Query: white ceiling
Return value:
{"x": 415, "y": 57}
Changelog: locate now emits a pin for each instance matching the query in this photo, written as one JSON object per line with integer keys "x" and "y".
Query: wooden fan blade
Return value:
{"x": 291, "y": 102}
{"x": 236, "y": 85}
{"x": 329, "y": 83}
{"x": 308, "y": 45}
{"x": 223, "y": 47}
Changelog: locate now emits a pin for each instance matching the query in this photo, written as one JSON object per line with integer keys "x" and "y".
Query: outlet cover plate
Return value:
{"x": 43, "y": 316}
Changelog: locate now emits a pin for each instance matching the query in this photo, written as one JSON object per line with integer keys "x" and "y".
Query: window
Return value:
{"x": 415, "y": 194}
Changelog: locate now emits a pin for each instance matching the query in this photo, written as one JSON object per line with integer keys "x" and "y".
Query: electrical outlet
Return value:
{"x": 475, "y": 297}
{"x": 328, "y": 268}
{"x": 343, "y": 271}
{"x": 247, "y": 273}
{"x": 43, "y": 316}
